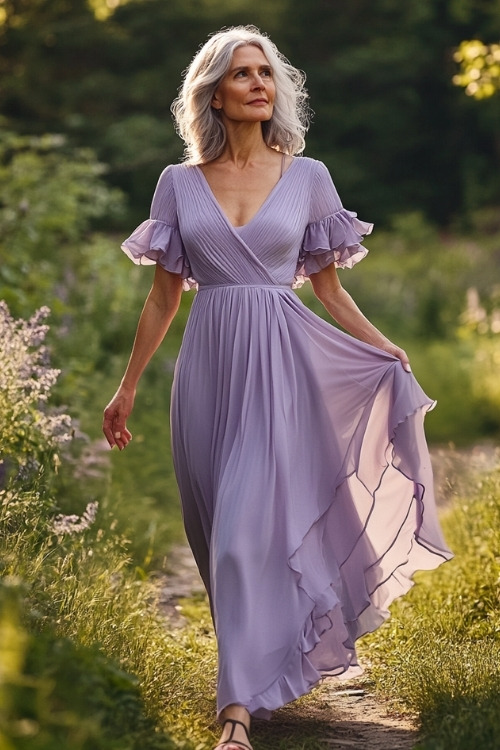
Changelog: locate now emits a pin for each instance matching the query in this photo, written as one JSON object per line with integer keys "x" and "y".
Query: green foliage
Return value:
{"x": 79, "y": 594}
{"x": 75, "y": 619}
{"x": 51, "y": 254}
{"x": 50, "y": 197}
{"x": 396, "y": 133}
{"x": 439, "y": 654}
{"x": 386, "y": 113}
{"x": 58, "y": 694}
{"x": 449, "y": 372}
{"x": 47, "y": 198}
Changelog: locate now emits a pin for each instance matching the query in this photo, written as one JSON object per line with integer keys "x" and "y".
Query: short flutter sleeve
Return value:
{"x": 158, "y": 239}
{"x": 333, "y": 234}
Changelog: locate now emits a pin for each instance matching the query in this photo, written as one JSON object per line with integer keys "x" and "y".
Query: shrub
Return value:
{"x": 29, "y": 431}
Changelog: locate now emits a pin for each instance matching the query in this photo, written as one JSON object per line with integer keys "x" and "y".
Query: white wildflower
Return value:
{"x": 74, "y": 524}
{"x": 26, "y": 380}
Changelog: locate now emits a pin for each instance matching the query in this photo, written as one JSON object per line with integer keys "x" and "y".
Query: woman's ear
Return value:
{"x": 216, "y": 103}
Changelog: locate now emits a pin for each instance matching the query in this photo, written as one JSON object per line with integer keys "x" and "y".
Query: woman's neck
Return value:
{"x": 244, "y": 144}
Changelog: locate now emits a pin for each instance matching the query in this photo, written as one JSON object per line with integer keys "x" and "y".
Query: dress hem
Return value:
{"x": 281, "y": 689}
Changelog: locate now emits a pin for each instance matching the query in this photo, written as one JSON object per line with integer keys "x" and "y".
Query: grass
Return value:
{"x": 91, "y": 663}
{"x": 93, "y": 666}
{"x": 439, "y": 655}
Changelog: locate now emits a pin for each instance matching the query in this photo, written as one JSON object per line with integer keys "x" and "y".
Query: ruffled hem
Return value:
{"x": 335, "y": 239}
{"x": 154, "y": 241}
{"x": 337, "y": 618}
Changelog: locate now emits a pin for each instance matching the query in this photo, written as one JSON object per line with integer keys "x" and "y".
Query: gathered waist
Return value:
{"x": 277, "y": 287}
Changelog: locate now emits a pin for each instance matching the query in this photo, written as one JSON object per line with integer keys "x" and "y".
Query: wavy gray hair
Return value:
{"x": 202, "y": 129}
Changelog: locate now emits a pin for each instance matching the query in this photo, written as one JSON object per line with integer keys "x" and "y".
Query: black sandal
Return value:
{"x": 230, "y": 740}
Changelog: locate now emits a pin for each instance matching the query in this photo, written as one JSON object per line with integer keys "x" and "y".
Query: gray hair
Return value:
{"x": 201, "y": 128}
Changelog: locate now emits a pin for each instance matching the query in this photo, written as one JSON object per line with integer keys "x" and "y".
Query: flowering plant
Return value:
{"x": 29, "y": 430}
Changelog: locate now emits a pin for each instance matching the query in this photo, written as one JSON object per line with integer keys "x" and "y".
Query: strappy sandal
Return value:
{"x": 230, "y": 741}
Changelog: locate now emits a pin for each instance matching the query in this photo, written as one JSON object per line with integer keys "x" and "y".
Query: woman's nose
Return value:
{"x": 258, "y": 82}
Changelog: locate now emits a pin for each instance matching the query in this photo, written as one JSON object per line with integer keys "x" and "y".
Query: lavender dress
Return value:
{"x": 299, "y": 451}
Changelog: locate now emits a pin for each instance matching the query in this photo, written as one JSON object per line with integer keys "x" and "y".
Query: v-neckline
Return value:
{"x": 261, "y": 207}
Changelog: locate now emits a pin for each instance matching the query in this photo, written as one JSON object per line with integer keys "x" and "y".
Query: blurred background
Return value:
{"x": 406, "y": 117}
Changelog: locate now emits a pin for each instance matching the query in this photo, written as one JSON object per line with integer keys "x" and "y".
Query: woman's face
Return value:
{"x": 247, "y": 91}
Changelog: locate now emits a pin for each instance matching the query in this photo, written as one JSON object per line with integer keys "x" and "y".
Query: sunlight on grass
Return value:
{"x": 439, "y": 655}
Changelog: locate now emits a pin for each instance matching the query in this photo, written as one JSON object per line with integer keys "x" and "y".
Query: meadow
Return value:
{"x": 86, "y": 660}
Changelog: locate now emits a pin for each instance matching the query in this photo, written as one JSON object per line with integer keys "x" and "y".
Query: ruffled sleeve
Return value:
{"x": 333, "y": 234}
{"x": 158, "y": 239}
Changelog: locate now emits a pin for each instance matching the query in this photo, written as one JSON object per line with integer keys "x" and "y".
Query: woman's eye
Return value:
{"x": 266, "y": 73}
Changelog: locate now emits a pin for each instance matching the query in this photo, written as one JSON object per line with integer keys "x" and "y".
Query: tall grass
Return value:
{"x": 85, "y": 613}
{"x": 439, "y": 655}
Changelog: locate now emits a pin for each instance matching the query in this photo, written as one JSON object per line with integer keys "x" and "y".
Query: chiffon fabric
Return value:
{"x": 299, "y": 451}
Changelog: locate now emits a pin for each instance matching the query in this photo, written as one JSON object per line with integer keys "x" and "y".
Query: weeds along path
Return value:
{"x": 337, "y": 715}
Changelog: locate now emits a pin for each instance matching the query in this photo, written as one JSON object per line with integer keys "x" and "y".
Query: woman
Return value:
{"x": 299, "y": 450}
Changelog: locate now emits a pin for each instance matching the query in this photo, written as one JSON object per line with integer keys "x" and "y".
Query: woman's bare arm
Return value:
{"x": 159, "y": 310}
{"x": 344, "y": 310}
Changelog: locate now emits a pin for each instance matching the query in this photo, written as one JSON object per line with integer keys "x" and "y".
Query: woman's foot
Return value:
{"x": 235, "y": 722}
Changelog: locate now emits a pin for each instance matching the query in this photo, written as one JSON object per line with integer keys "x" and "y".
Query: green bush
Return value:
{"x": 50, "y": 198}
{"x": 52, "y": 201}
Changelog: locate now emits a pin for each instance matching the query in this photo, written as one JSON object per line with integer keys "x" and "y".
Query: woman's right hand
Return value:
{"x": 116, "y": 413}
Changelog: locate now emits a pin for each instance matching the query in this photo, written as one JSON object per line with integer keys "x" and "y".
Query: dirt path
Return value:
{"x": 347, "y": 715}
{"x": 363, "y": 722}
{"x": 353, "y": 717}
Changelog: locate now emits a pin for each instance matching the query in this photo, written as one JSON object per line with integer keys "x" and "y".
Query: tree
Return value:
{"x": 388, "y": 121}
{"x": 395, "y": 131}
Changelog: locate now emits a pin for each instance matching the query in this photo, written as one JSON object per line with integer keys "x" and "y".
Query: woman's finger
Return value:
{"x": 405, "y": 361}
{"x": 121, "y": 437}
{"x": 109, "y": 430}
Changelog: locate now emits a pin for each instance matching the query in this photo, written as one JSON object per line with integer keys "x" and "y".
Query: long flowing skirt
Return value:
{"x": 306, "y": 488}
